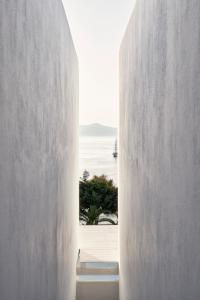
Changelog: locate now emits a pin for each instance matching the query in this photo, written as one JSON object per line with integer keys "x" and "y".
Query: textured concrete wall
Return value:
{"x": 160, "y": 152}
{"x": 38, "y": 139}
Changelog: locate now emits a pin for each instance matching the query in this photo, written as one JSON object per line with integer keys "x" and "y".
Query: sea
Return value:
{"x": 96, "y": 156}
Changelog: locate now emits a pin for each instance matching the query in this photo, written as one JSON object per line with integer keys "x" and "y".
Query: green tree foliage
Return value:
{"x": 99, "y": 192}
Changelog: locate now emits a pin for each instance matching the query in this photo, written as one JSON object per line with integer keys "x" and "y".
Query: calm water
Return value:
{"x": 96, "y": 156}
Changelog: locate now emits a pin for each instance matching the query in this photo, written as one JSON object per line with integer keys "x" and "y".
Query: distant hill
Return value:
{"x": 97, "y": 130}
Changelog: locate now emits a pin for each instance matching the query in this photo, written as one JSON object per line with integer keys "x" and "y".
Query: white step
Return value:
{"x": 97, "y": 279}
{"x": 97, "y": 287}
{"x": 97, "y": 268}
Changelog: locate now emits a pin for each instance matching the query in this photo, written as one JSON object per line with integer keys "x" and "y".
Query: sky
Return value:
{"x": 97, "y": 28}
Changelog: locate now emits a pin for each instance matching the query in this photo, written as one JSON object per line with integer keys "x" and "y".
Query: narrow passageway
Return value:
{"x": 155, "y": 255}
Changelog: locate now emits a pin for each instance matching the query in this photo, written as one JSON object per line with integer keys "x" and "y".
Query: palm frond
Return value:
{"x": 107, "y": 220}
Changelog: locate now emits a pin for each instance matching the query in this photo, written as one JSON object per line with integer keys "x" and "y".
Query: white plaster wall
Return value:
{"x": 160, "y": 152}
{"x": 38, "y": 152}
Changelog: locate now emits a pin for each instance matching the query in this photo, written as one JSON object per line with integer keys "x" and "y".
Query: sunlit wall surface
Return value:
{"x": 160, "y": 152}
{"x": 38, "y": 146}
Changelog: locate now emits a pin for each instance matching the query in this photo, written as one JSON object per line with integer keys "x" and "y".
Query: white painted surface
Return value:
{"x": 99, "y": 277}
{"x": 160, "y": 152}
{"x": 98, "y": 290}
{"x": 38, "y": 152}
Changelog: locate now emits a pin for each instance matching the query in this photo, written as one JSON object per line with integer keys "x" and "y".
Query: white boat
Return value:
{"x": 115, "y": 153}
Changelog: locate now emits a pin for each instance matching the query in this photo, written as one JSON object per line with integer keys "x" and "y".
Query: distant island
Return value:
{"x": 97, "y": 130}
